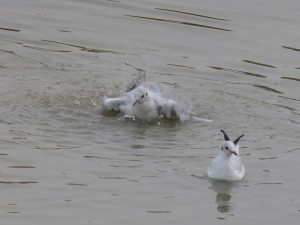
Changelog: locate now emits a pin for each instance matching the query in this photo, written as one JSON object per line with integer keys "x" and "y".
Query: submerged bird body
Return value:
{"x": 143, "y": 103}
{"x": 228, "y": 164}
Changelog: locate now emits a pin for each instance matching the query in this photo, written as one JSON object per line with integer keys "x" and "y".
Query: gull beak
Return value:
{"x": 233, "y": 152}
{"x": 136, "y": 101}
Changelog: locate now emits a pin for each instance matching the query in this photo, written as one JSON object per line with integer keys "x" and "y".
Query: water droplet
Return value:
{"x": 76, "y": 102}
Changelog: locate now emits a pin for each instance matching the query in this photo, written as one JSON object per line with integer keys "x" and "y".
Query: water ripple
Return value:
{"x": 238, "y": 71}
{"x": 292, "y": 48}
{"x": 19, "y": 182}
{"x": 291, "y": 78}
{"x": 258, "y": 63}
{"x": 192, "y": 14}
{"x": 181, "y": 66}
{"x": 76, "y": 184}
{"x": 82, "y": 48}
{"x": 9, "y": 29}
{"x": 45, "y": 49}
{"x": 266, "y": 88}
{"x": 118, "y": 178}
{"x": 158, "y": 211}
{"x": 179, "y": 22}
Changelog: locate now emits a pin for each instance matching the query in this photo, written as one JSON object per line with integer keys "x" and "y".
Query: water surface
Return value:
{"x": 63, "y": 162}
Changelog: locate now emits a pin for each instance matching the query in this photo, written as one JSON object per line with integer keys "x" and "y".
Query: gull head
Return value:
{"x": 230, "y": 147}
{"x": 140, "y": 96}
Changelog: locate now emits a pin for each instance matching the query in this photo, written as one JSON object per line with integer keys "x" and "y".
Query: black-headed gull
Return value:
{"x": 145, "y": 102}
{"x": 228, "y": 164}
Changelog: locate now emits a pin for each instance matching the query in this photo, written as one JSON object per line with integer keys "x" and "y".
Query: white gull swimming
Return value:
{"x": 228, "y": 164}
{"x": 147, "y": 102}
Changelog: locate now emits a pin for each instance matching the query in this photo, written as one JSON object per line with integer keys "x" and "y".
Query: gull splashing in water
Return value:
{"x": 150, "y": 101}
{"x": 146, "y": 102}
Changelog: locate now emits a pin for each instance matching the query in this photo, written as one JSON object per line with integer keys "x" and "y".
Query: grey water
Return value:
{"x": 63, "y": 162}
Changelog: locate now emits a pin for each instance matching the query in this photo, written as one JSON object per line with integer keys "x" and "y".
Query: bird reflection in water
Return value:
{"x": 224, "y": 190}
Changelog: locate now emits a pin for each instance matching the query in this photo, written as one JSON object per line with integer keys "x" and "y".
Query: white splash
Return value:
{"x": 151, "y": 101}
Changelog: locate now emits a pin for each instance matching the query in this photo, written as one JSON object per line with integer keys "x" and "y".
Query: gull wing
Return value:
{"x": 113, "y": 104}
{"x": 168, "y": 108}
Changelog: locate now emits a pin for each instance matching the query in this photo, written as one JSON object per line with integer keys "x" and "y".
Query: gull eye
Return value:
{"x": 143, "y": 96}
{"x": 226, "y": 148}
